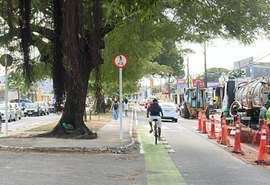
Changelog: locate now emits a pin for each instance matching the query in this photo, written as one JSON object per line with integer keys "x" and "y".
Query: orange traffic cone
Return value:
{"x": 213, "y": 131}
{"x": 237, "y": 145}
{"x": 262, "y": 157}
{"x": 204, "y": 131}
{"x": 199, "y": 121}
{"x": 224, "y": 133}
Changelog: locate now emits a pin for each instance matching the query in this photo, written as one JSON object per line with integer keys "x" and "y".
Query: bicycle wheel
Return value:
{"x": 155, "y": 132}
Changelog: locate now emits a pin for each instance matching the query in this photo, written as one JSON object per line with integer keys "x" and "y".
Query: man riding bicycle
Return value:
{"x": 155, "y": 110}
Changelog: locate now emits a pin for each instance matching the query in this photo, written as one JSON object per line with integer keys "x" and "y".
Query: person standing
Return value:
{"x": 268, "y": 126}
{"x": 126, "y": 107}
{"x": 262, "y": 115}
{"x": 115, "y": 110}
{"x": 268, "y": 116}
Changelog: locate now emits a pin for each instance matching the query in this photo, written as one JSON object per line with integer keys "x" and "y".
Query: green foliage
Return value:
{"x": 237, "y": 73}
{"x": 214, "y": 73}
{"x": 240, "y": 19}
{"x": 171, "y": 57}
{"x": 146, "y": 31}
{"x": 16, "y": 81}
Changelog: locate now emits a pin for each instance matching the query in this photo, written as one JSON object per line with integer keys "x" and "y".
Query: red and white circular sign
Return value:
{"x": 120, "y": 60}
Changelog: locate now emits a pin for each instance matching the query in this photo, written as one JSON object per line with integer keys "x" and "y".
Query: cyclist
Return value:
{"x": 155, "y": 112}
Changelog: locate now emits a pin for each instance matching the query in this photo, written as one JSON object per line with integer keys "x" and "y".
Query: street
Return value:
{"x": 202, "y": 161}
{"x": 30, "y": 122}
{"x": 183, "y": 157}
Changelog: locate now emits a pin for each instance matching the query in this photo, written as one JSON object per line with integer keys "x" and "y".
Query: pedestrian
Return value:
{"x": 126, "y": 107}
{"x": 262, "y": 115}
{"x": 115, "y": 110}
{"x": 268, "y": 125}
{"x": 221, "y": 118}
{"x": 268, "y": 117}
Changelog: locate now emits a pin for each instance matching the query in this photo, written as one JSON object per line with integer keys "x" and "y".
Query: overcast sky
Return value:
{"x": 222, "y": 53}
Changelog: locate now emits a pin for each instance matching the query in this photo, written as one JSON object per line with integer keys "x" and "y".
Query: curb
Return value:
{"x": 117, "y": 150}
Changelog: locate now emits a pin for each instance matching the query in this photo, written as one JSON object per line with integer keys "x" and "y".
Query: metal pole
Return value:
{"x": 188, "y": 72}
{"x": 205, "y": 69}
{"x": 120, "y": 103}
{"x": 6, "y": 98}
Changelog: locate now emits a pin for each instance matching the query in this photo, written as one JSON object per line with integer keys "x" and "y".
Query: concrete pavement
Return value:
{"x": 108, "y": 141}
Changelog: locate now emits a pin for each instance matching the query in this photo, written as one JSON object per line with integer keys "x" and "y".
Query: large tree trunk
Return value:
{"x": 58, "y": 71}
{"x": 25, "y": 31}
{"x": 76, "y": 61}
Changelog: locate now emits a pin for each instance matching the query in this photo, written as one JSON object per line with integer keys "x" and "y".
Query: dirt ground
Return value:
{"x": 94, "y": 123}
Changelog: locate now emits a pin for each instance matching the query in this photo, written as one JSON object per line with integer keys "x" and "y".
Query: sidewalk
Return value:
{"x": 108, "y": 141}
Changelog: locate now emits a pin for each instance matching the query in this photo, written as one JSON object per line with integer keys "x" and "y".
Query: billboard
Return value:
{"x": 196, "y": 81}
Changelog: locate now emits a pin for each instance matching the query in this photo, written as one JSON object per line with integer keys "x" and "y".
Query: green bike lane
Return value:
{"x": 159, "y": 166}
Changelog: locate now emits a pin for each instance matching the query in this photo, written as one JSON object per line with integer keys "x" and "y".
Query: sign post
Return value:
{"x": 120, "y": 61}
{"x": 6, "y": 60}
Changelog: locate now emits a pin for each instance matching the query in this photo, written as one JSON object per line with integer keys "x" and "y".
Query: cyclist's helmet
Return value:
{"x": 155, "y": 100}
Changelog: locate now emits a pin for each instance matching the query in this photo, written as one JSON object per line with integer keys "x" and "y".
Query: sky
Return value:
{"x": 223, "y": 53}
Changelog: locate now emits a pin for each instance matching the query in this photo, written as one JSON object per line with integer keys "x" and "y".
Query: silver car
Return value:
{"x": 32, "y": 109}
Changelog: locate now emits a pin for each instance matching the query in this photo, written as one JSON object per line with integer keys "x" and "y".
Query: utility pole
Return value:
{"x": 188, "y": 72}
{"x": 205, "y": 69}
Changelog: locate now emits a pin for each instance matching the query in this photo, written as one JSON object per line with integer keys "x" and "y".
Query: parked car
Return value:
{"x": 51, "y": 108}
{"x": 44, "y": 107}
{"x": 32, "y": 109}
{"x": 18, "y": 110}
{"x": 169, "y": 110}
{"x": 22, "y": 102}
{"x": 11, "y": 113}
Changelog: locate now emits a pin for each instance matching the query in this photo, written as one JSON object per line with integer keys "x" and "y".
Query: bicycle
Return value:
{"x": 155, "y": 130}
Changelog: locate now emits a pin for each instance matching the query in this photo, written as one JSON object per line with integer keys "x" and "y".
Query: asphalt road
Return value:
{"x": 184, "y": 157}
{"x": 30, "y": 122}
{"x": 201, "y": 161}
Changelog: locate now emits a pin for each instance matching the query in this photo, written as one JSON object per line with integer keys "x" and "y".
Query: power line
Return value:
{"x": 262, "y": 57}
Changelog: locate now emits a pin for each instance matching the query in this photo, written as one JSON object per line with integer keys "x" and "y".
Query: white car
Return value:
{"x": 169, "y": 110}
{"x": 11, "y": 113}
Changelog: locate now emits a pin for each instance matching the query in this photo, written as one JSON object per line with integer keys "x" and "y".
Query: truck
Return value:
{"x": 196, "y": 98}
{"x": 245, "y": 98}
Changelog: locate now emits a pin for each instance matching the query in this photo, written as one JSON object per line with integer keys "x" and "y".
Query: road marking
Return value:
{"x": 141, "y": 146}
{"x": 159, "y": 166}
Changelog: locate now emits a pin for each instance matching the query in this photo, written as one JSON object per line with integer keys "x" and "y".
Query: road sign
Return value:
{"x": 196, "y": 81}
{"x": 6, "y": 58}
{"x": 120, "y": 60}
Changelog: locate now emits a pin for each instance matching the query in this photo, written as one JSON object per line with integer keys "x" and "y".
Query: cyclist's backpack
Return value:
{"x": 154, "y": 108}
